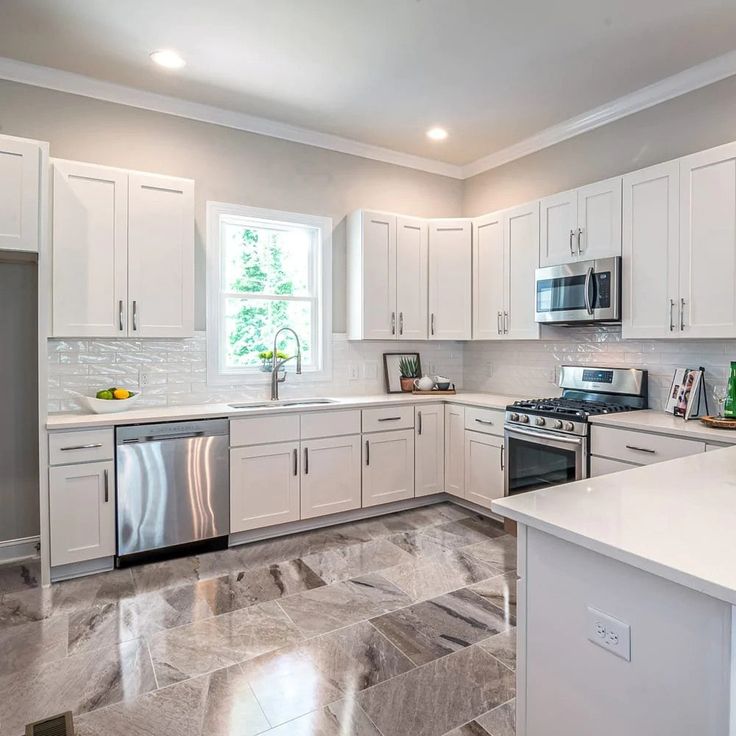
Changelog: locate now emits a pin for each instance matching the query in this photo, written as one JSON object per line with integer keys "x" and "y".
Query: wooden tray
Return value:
{"x": 434, "y": 392}
{"x": 719, "y": 422}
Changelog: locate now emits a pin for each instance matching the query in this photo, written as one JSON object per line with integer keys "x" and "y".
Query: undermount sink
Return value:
{"x": 281, "y": 403}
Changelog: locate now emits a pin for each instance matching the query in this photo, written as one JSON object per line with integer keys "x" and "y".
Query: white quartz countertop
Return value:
{"x": 651, "y": 420}
{"x": 676, "y": 519}
{"x": 206, "y": 411}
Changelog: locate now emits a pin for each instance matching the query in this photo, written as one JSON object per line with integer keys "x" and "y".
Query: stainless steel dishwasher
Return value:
{"x": 172, "y": 488}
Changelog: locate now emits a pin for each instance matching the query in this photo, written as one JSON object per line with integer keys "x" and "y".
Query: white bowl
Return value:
{"x": 108, "y": 406}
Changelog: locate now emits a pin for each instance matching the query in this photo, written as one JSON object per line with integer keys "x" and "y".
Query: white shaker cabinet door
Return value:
{"x": 521, "y": 247}
{"x": 489, "y": 280}
{"x": 455, "y": 450}
{"x": 90, "y": 250}
{"x": 330, "y": 476}
{"x": 558, "y": 228}
{"x": 82, "y": 512}
{"x": 411, "y": 277}
{"x": 20, "y": 163}
{"x": 708, "y": 243}
{"x": 450, "y": 265}
{"x": 378, "y": 273}
{"x": 264, "y": 485}
{"x": 161, "y": 256}
{"x": 429, "y": 452}
{"x": 388, "y": 466}
{"x": 650, "y": 267}
{"x": 483, "y": 468}
{"x": 599, "y": 220}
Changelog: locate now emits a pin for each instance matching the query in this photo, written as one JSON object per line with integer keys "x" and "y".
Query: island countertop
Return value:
{"x": 150, "y": 414}
{"x": 676, "y": 520}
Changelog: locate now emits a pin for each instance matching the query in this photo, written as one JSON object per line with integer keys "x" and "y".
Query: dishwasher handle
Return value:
{"x": 162, "y": 437}
{"x": 182, "y": 430}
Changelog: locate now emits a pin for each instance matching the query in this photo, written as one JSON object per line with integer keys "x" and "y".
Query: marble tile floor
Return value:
{"x": 400, "y": 625}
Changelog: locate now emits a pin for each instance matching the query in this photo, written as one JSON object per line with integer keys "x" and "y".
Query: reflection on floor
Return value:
{"x": 396, "y": 626}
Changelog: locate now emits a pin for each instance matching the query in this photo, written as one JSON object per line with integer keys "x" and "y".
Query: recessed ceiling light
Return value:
{"x": 437, "y": 134}
{"x": 168, "y": 58}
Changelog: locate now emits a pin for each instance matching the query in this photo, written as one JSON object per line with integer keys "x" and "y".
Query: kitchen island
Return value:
{"x": 647, "y": 554}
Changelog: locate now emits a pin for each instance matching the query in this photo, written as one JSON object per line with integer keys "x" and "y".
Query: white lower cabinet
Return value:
{"x": 330, "y": 476}
{"x": 604, "y": 466}
{"x": 82, "y": 512}
{"x": 483, "y": 468}
{"x": 429, "y": 451}
{"x": 264, "y": 485}
{"x": 455, "y": 450}
{"x": 388, "y": 466}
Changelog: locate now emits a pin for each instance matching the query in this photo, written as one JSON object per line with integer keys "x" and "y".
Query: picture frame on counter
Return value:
{"x": 686, "y": 392}
{"x": 396, "y": 382}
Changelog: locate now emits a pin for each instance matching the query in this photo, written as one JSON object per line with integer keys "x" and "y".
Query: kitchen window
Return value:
{"x": 266, "y": 270}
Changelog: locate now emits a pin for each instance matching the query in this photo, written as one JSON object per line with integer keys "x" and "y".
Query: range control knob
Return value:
{"x": 539, "y": 421}
{"x": 514, "y": 417}
{"x": 569, "y": 426}
{"x": 558, "y": 424}
{"x": 524, "y": 419}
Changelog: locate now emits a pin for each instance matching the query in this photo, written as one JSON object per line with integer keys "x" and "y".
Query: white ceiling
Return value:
{"x": 493, "y": 72}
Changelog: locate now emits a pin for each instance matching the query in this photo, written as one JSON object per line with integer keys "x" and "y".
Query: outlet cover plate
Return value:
{"x": 609, "y": 633}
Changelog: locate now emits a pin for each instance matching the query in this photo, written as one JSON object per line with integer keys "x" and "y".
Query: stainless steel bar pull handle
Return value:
{"x": 367, "y": 452}
{"x": 580, "y": 232}
{"x": 135, "y": 315}
{"x": 393, "y": 323}
{"x": 503, "y": 451}
{"x": 82, "y": 447}
{"x": 431, "y": 323}
{"x": 641, "y": 449}
{"x": 587, "y": 295}
{"x": 682, "y": 314}
{"x": 401, "y": 323}
{"x": 120, "y": 315}
{"x": 389, "y": 419}
{"x": 498, "y": 322}
{"x": 107, "y": 485}
{"x": 306, "y": 461}
{"x": 505, "y": 323}
{"x": 572, "y": 235}
{"x": 296, "y": 462}
{"x": 419, "y": 422}
{"x": 484, "y": 421}
{"x": 672, "y": 321}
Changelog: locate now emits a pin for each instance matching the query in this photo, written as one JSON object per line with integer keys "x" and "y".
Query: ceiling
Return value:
{"x": 492, "y": 72}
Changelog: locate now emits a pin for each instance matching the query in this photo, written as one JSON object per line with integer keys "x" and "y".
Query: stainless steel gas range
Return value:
{"x": 547, "y": 440}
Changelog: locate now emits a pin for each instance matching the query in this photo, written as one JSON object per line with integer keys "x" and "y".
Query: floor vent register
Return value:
{"x": 61, "y": 725}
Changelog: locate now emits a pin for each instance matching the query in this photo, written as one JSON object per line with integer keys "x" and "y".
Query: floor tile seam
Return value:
{"x": 492, "y": 605}
{"x": 393, "y": 644}
{"x": 153, "y": 667}
{"x": 478, "y": 646}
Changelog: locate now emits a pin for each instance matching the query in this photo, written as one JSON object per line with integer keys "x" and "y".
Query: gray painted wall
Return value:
{"x": 19, "y": 413}
{"x": 228, "y": 165}
{"x": 693, "y": 122}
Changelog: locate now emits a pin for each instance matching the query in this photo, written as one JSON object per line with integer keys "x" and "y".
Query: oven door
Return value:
{"x": 586, "y": 291}
{"x": 537, "y": 459}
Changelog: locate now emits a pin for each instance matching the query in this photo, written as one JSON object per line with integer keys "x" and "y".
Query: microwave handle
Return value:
{"x": 588, "y": 284}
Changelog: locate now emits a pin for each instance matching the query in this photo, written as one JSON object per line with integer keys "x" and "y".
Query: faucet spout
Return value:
{"x": 276, "y": 364}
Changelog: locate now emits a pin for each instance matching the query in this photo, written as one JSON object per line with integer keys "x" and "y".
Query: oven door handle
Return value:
{"x": 545, "y": 436}
{"x": 588, "y": 297}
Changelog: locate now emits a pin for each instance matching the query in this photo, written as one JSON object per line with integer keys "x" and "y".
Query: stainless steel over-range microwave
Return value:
{"x": 586, "y": 291}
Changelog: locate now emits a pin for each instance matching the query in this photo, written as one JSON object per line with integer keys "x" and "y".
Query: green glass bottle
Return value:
{"x": 729, "y": 405}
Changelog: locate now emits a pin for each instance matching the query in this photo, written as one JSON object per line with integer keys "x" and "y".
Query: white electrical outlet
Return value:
{"x": 143, "y": 378}
{"x": 354, "y": 372}
{"x": 609, "y": 633}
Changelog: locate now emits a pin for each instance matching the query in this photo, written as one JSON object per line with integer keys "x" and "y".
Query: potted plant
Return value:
{"x": 409, "y": 368}
{"x": 267, "y": 359}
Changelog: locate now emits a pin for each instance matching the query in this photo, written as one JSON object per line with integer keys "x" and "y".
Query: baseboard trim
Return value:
{"x": 18, "y": 549}
{"x": 77, "y": 569}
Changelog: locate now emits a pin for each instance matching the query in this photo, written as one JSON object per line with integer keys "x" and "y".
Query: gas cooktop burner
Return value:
{"x": 571, "y": 407}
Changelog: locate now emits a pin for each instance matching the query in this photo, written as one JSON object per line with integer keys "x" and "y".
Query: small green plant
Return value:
{"x": 409, "y": 367}
{"x": 268, "y": 355}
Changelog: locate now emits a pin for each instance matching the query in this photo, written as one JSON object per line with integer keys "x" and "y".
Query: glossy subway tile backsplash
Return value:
{"x": 176, "y": 370}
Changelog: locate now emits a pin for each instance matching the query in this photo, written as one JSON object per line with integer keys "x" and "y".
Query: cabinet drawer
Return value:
{"x": 488, "y": 421}
{"x": 642, "y": 448}
{"x": 330, "y": 424}
{"x": 260, "y": 430}
{"x": 81, "y": 446}
{"x": 392, "y": 417}
{"x": 604, "y": 466}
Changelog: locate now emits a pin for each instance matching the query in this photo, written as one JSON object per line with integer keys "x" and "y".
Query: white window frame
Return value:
{"x": 216, "y": 375}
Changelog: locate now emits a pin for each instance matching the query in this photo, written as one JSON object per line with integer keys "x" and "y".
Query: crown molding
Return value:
{"x": 701, "y": 75}
{"x": 78, "y": 84}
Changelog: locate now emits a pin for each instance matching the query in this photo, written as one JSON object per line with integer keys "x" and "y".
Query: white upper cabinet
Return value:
{"x": 387, "y": 277}
{"x": 411, "y": 277}
{"x": 489, "y": 280}
{"x": 708, "y": 243}
{"x": 90, "y": 247}
{"x": 650, "y": 298}
{"x": 123, "y": 253}
{"x": 505, "y": 256}
{"x": 20, "y": 170}
{"x": 558, "y": 228}
{"x": 521, "y": 254}
{"x": 450, "y": 264}
{"x": 160, "y": 256}
{"x": 581, "y": 224}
